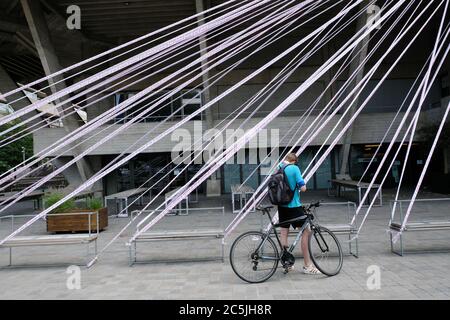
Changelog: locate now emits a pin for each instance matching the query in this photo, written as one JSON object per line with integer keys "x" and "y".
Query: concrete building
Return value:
{"x": 35, "y": 41}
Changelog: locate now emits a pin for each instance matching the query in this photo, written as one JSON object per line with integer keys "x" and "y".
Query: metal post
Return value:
{"x": 130, "y": 252}
{"x": 401, "y": 244}
{"x": 368, "y": 196}
{"x": 357, "y": 248}
{"x": 241, "y": 200}
{"x": 89, "y": 221}
{"x": 223, "y": 252}
{"x": 349, "y": 242}
{"x": 232, "y": 201}
{"x": 348, "y": 211}
{"x": 222, "y": 220}
{"x": 359, "y": 195}
{"x": 401, "y": 212}
{"x": 87, "y": 253}
{"x": 392, "y": 245}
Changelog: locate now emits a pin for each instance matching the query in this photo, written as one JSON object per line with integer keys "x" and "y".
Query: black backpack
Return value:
{"x": 279, "y": 191}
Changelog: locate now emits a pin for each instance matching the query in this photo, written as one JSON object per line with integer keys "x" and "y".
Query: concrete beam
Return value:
{"x": 41, "y": 37}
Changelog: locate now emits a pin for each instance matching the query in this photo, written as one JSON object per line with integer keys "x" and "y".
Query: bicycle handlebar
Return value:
{"x": 314, "y": 205}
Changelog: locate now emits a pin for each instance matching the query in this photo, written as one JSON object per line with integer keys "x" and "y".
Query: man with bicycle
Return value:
{"x": 294, "y": 210}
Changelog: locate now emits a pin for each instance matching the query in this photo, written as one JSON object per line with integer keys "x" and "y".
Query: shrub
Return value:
{"x": 95, "y": 204}
{"x": 53, "y": 198}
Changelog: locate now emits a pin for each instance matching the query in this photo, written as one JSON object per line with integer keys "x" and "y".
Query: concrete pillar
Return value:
{"x": 326, "y": 54}
{"x": 96, "y": 165}
{"x": 200, "y": 7}
{"x": 50, "y": 63}
{"x": 41, "y": 37}
{"x": 359, "y": 58}
{"x": 213, "y": 184}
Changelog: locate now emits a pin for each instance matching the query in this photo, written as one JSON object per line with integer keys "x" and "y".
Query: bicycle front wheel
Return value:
{"x": 254, "y": 257}
{"x": 325, "y": 251}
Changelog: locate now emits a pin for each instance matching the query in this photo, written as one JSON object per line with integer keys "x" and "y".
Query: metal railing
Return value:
{"x": 401, "y": 202}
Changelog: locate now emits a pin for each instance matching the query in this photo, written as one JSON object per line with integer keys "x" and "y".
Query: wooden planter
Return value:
{"x": 77, "y": 222}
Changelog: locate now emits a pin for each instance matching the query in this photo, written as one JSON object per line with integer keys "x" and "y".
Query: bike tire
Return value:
{"x": 320, "y": 239}
{"x": 254, "y": 238}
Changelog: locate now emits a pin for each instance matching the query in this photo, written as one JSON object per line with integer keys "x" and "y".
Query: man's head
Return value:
{"x": 291, "y": 158}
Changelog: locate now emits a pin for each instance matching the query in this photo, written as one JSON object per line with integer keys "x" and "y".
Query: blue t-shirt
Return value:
{"x": 294, "y": 177}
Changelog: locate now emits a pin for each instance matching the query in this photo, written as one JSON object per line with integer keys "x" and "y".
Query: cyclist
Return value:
{"x": 294, "y": 210}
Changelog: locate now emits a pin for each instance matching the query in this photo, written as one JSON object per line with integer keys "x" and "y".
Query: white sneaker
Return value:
{"x": 311, "y": 270}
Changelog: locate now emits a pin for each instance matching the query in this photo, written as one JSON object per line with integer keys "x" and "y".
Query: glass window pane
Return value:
{"x": 231, "y": 175}
{"x": 323, "y": 174}
{"x": 250, "y": 172}
{"x": 303, "y": 161}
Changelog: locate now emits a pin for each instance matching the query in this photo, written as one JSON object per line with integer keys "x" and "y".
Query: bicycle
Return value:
{"x": 260, "y": 255}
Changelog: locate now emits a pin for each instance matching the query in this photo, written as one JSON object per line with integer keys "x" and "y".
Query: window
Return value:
{"x": 173, "y": 108}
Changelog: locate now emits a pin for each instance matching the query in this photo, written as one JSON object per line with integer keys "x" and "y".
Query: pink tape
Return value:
{"x": 65, "y": 141}
{"x": 201, "y": 175}
{"x": 198, "y": 16}
{"x": 85, "y": 185}
{"x": 360, "y": 109}
{"x": 195, "y": 33}
{"x": 262, "y": 194}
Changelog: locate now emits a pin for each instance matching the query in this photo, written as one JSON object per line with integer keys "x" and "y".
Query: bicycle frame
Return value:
{"x": 307, "y": 224}
{"x": 320, "y": 240}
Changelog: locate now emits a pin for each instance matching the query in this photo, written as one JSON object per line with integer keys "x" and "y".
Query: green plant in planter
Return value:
{"x": 53, "y": 198}
{"x": 95, "y": 204}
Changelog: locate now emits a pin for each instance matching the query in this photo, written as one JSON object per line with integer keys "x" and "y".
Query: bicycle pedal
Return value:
{"x": 287, "y": 268}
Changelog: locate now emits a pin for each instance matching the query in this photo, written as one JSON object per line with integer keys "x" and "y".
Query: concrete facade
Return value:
{"x": 369, "y": 128}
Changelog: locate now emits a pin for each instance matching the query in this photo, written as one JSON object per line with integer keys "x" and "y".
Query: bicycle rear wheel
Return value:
{"x": 249, "y": 263}
{"x": 325, "y": 251}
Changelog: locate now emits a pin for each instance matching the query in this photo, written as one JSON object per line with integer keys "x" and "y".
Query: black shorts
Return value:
{"x": 285, "y": 214}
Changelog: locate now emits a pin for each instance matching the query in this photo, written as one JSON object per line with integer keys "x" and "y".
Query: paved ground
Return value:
{"x": 414, "y": 276}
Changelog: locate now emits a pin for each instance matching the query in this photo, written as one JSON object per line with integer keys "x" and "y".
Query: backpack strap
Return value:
{"x": 284, "y": 173}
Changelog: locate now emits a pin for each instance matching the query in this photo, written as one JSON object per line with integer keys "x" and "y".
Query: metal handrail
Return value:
{"x": 401, "y": 201}
{"x": 193, "y": 209}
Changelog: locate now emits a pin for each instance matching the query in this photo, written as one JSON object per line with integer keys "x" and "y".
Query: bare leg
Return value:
{"x": 304, "y": 246}
{"x": 284, "y": 236}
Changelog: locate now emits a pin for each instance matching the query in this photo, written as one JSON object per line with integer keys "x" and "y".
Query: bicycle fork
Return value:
{"x": 324, "y": 248}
